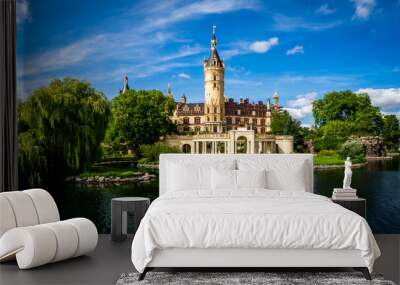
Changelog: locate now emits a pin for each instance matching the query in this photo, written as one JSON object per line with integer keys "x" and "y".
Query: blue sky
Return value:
{"x": 301, "y": 49}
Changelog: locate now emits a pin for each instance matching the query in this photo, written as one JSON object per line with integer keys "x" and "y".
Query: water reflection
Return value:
{"x": 379, "y": 183}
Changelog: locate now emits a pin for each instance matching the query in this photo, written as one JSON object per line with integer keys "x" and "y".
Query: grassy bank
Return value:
{"x": 334, "y": 159}
{"x": 109, "y": 171}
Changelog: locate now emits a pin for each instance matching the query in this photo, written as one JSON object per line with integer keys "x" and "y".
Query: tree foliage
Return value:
{"x": 139, "y": 117}
{"x": 332, "y": 135}
{"x": 60, "y": 129}
{"x": 354, "y": 150}
{"x": 391, "y": 132}
{"x": 346, "y": 106}
{"x": 151, "y": 152}
{"x": 283, "y": 124}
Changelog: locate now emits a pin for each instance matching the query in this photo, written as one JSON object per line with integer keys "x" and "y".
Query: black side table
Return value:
{"x": 119, "y": 208}
{"x": 357, "y": 205}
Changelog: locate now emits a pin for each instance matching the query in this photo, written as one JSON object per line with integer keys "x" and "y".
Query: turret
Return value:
{"x": 169, "y": 92}
{"x": 126, "y": 85}
{"x": 183, "y": 99}
{"x": 214, "y": 69}
{"x": 276, "y": 101}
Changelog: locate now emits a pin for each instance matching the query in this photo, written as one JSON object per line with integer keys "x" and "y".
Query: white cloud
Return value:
{"x": 23, "y": 11}
{"x": 301, "y": 107}
{"x": 234, "y": 81}
{"x": 387, "y": 99}
{"x": 184, "y": 75}
{"x": 263, "y": 46}
{"x": 328, "y": 81}
{"x": 325, "y": 10}
{"x": 294, "y": 50}
{"x": 288, "y": 24}
{"x": 396, "y": 69}
{"x": 364, "y": 8}
{"x": 178, "y": 13}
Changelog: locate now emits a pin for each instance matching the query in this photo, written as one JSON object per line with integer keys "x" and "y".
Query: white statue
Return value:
{"x": 347, "y": 174}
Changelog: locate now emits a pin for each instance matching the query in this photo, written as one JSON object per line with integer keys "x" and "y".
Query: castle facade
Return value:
{"x": 221, "y": 125}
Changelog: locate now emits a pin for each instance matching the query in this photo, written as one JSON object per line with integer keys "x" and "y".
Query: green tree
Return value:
{"x": 391, "y": 132}
{"x": 283, "y": 124}
{"x": 347, "y": 106}
{"x": 139, "y": 117}
{"x": 332, "y": 135}
{"x": 60, "y": 129}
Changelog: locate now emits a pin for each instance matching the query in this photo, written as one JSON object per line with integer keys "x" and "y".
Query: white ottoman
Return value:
{"x": 31, "y": 232}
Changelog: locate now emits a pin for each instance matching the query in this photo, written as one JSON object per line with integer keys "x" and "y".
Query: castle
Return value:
{"x": 221, "y": 125}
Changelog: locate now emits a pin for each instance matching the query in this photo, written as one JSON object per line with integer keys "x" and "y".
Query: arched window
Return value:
{"x": 186, "y": 148}
{"x": 197, "y": 120}
{"x": 215, "y": 77}
{"x": 241, "y": 145}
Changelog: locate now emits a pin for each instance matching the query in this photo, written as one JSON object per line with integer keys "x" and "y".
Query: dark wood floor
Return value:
{"x": 110, "y": 260}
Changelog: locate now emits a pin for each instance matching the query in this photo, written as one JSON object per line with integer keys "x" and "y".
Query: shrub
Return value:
{"x": 151, "y": 153}
{"x": 328, "y": 152}
{"x": 351, "y": 149}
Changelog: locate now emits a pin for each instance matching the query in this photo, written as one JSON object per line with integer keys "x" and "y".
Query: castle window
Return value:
{"x": 246, "y": 120}
{"x": 263, "y": 122}
{"x": 215, "y": 85}
{"x": 215, "y": 109}
{"x": 186, "y": 121}
{"x": 197, "y": 108}
{"x": 215, "y": 77}
{"x": 255, "y": 121}
{"x": 208, "y": 119}
{"x": 215, "y": 62}
{"x": 186, "y": 129}
{"x": 229, "y": 121}
{"x": 197, "y": 120}
{"x": 215, "y": 118}
{"x": 197, "y": 129}
{"x": 208, "y": 109}
{"x": 263, "y": 130}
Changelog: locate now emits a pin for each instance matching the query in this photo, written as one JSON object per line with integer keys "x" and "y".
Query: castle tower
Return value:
{"x": 276, "y": 101}
{"x": 214, "y": 103}
{"x": 126, "y": 85}
{"x": 169, "y": 92}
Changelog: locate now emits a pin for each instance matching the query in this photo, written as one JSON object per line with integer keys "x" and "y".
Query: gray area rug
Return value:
{"x": 229, "y": 278}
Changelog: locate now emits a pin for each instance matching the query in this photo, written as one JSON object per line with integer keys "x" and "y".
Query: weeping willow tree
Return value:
{"x": 60, "y": 128}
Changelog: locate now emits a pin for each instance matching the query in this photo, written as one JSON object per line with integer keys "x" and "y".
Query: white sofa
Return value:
{"x": 31, "y": 230}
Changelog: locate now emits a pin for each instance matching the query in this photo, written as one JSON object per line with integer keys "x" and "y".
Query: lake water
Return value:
{"x": 378, "y": 182}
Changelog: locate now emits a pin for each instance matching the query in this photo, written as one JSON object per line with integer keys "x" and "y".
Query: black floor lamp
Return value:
{"x": 8, "y": 121}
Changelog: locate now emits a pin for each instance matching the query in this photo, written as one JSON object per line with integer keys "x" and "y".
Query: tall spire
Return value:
{"x": 213, "y": 59}
{"x": 126, "y": 85}
{"x": 214, "y": 38}
{"x": 169, "y": 92}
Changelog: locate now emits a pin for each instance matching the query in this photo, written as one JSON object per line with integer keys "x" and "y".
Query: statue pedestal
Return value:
{"x": 344, "y": 194}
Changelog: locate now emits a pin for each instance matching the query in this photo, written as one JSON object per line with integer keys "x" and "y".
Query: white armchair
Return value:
{"x": 31, "y": 230}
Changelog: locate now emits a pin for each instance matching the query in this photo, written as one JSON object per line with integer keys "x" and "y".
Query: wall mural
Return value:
{"x": 105, "y": 87}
